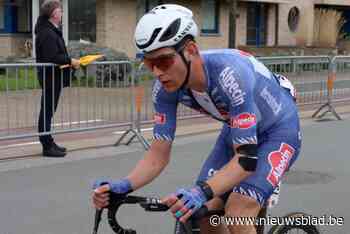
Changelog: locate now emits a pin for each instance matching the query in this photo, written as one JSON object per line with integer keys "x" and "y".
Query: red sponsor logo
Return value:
{"x": 243, "y": 121}
{"x": 159, "y": 118}
{"x": 279, "y": 161}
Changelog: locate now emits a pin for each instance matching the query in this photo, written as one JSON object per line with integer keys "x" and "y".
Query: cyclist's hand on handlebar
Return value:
{"x": 100, "y": 197}
{"x": 102, "y": 187}
{"x": 185, "y": 202}
{"x": 175, "y": 205}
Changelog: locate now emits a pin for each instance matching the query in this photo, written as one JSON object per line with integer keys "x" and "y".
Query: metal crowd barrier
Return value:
{"x": 119, "y": 94}
{"x": 309, "y": 75}
{"x": 99, "y": 97}
{"x": 341, "y": 87}
{"x": 338, "y": 85}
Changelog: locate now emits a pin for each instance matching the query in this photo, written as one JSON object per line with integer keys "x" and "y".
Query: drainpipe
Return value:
{"x": 35, "y": 15}
{"x": 65, "y": 20}
{"x": 232, "y": 23}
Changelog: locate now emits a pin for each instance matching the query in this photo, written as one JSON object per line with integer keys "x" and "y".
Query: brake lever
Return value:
{"x": 98, "y": 214}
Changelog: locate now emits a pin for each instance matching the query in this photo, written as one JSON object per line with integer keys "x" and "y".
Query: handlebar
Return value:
{"x": 116, "y": 200}
{"x": 150, "y": 204}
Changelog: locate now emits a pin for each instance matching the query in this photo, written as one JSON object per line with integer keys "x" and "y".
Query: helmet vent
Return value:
{"x": 151, "y": 40}
{"x": 171, "y": 31}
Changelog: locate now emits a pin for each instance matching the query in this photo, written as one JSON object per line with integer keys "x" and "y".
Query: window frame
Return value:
{"x": 260, "y": 24}
{"x": 11, "y": 18}
{"x": 2, "y": 9}
{"x": 29, "y": 12}
{"x": 143, "y": 7}
{"x": 216, "y": 30}
{"x": 77, "y": 23}
{"x": 149, "y": 6}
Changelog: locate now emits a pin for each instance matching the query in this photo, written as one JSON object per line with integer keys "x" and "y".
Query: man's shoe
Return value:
{"x": 53, "y": 152}
{"x": 60, "y": 148}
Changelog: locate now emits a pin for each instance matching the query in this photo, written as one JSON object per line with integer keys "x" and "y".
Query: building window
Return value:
{"x": 24, "y": 21}
{"x": 150, "y": 4}
{"x": 82, "y": 20}
{"x": 257, "y": 24}
{"x": 210, "y": 16}
{"x": 15, "y": 16}
{"x": 144, "y": 6}
{"x": 293, "y": 19}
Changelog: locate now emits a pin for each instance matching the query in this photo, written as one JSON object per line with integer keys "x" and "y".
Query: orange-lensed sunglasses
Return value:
{"x": 162, "y": 62}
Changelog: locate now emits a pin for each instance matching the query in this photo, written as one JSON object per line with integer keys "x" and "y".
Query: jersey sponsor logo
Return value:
{"x": 243, "y": 121}
{"x": 184, "y": 32}
{"x": 159, "y": 118}
{"x": 271, "y": 101}
{"x": 279, "y": 161}
{"x": 231, "y": 86}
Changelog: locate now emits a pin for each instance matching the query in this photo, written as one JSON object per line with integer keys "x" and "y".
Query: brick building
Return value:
{"x": 111, "y": 22}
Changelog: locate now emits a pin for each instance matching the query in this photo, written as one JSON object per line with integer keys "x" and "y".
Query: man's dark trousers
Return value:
{"x": 49, "y": 100}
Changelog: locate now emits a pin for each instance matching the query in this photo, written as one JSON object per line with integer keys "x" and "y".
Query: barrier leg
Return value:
{"x": 143, "y": 141}
{"x": 328, "y": 105}
{"x": 330, "y": 109}
{"x": 137, "y": 94}
{"x": 318, "y": 110}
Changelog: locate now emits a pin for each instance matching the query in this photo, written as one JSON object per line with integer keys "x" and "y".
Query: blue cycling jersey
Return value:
{"x": 240, "y": 91}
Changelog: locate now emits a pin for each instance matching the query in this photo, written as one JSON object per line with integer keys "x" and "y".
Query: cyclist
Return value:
{"x": 260, "y": 138}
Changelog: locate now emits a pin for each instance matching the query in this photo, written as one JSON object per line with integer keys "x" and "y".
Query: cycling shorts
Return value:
{"x": 277, "y": 151}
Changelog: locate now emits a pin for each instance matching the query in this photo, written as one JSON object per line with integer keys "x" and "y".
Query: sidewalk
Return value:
{"x": 108, "y": 137}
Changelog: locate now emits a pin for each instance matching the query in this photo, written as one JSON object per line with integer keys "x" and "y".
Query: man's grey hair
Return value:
{"x": 49, "y": 6}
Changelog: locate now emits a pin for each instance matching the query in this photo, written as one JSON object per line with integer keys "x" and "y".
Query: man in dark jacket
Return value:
{"x": 50, "y": 48}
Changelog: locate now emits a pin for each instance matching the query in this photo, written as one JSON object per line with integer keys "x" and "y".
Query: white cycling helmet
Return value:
{"x": 164, "y": 26}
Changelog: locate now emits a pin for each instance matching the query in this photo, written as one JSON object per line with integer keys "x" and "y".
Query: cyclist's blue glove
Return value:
{"x": 193, "y": 198}
{"x": 122, "y": 186}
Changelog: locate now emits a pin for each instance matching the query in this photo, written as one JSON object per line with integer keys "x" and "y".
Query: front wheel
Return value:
{"x": 293, "y": 225}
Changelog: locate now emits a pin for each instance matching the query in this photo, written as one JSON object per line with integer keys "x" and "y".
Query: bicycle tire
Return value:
{"x": 285, "y": 229}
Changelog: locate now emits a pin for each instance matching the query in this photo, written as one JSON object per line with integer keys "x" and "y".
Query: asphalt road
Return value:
{"x": 52, "y": 196}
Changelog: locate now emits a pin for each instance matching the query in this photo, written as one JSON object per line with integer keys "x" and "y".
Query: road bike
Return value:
{"x": 152, "y": 204}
